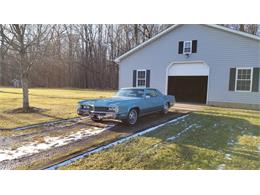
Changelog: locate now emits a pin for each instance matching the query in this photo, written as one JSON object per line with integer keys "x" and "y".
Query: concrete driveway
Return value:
{"x": 188, "y": 107}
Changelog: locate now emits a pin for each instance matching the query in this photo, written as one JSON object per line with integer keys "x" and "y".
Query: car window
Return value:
{"x": 151, "y": 92}
{"x": 130, "y": 93}
{"x": 158, "y": 92}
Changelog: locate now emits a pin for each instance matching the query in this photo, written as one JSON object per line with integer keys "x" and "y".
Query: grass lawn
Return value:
{"x": 214, "y": 138}
{"x": 56, "y": 103}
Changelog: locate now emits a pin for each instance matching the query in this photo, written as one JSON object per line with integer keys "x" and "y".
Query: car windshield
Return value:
{"x": 130, "y": 93}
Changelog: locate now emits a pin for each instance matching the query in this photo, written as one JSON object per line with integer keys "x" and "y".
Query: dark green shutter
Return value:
{"x": 194, "y": 46}
{"x": 181, "y": 47}
{"x": 134, "y": 78}
{"x": 148, "y": 78}
{"x": 255, "y": 84}
{"x": 232, "y": 79}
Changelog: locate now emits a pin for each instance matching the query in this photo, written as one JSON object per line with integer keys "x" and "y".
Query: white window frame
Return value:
{"x": 184, "y": 47}
{"x": 141, "y": 70}
{"x": 251, "y": 79}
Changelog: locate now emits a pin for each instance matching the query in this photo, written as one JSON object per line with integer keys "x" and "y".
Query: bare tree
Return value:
{"x": 3, "y": 52}
{"x": 25, "y": 42}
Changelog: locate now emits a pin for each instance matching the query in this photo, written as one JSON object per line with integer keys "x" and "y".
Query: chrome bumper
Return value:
{"x": 102, "y": 115}
{"x": 97, "y": 114}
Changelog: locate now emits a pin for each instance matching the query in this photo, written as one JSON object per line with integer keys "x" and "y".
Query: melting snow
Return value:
{"x": 228, "y": 156}
{"x": 221, "y": 167}
{"x": 49, "y": 142}
{"x": 231, "y": 142}
{"x": 258, "y": 148}
{"x": 180, "y": 133}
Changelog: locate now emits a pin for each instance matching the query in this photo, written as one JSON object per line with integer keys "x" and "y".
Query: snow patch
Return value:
{"x": 49, "y": 142}
{"x": 221, "y": 167}
{"x": 228, "y": 156}
{"x": 183, "y": 131}
{"x": 258, "y": 148}
{"x": 231, "y": 142}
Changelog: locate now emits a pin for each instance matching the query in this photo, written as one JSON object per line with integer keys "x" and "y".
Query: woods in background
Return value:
{"x": 248, "y": 28}
{"x": 68, "y": 55}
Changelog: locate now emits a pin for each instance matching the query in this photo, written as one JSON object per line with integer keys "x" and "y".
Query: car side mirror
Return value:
{"x": 147, "y": 96}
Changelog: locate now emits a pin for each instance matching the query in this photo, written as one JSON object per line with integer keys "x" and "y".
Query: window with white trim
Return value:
{"x": 187, "y": 47}
{"x": 141, "y": 78}
{"x": 244, "y": 79}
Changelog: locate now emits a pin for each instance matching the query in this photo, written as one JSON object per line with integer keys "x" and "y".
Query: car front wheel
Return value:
{"x": 132, "y": 117}
{"x": 95, "y": 119}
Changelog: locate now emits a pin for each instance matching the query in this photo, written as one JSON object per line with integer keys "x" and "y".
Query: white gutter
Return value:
{"x": 67, "y": 162}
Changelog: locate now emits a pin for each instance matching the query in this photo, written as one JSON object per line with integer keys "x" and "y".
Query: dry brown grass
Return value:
{"x": 54, "y": 104}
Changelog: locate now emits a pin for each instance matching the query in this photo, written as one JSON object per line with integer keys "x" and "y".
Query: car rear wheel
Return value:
{"x": 165, "y": 108}
{"x": 132, "y": 117}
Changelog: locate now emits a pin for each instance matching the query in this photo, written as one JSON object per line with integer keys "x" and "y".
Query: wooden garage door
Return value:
{"x": 188, "y": 88}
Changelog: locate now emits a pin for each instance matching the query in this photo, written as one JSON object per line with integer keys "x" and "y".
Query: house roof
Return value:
{"x": 117, "y": 60}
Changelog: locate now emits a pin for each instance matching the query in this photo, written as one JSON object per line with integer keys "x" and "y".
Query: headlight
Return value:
{"x": 82, "y": 106}
{"x": 86, "y": 107}
{"x": 114, "y": 109}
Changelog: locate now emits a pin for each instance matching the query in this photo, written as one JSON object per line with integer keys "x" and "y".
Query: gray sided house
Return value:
{"x": 207, "y": 64}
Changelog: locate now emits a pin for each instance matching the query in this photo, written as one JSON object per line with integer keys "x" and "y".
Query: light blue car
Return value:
{"x": 127, "y": 105}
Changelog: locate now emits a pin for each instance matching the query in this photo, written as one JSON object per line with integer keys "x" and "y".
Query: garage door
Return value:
{"x": 188, "y": 88}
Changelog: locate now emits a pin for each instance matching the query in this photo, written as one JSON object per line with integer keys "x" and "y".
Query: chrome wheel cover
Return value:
{"x": 165, "y": 108}
{"x": 132, "y": 118}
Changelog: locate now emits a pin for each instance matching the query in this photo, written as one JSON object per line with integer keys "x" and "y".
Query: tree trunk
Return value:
{"x": 25, "y": 81}
{"x": 1, "y": 55}
{"x": 242, "y": 27}
{"x": 1, "y": 68}
{"x": 25, "y": 93}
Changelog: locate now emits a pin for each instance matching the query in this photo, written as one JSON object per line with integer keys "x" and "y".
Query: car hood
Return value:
{"x": 108, "y": 101}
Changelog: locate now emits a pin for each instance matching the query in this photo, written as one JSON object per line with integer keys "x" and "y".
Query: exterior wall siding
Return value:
{"x": 219, "y": 49}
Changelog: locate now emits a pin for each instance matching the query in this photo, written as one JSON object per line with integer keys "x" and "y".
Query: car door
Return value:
{"x": 154, "y": 100}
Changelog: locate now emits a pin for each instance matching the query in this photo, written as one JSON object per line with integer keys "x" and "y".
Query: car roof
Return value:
{"x": 138, "y": 88}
